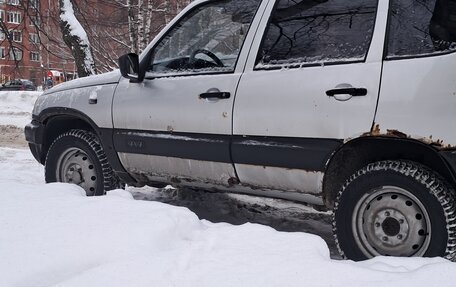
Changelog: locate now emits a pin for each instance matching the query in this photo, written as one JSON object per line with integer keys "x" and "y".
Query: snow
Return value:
{"x": 16, "y": 107}
{"x": 53, "y": 235}
{"x": 19, "y": 166}
{"x": 281, "y": 204}
{"x": 303, "y": 62}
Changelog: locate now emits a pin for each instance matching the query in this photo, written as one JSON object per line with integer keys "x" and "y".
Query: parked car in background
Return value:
{"x": 18, "y": 85}
{"x": 348, "y": 105}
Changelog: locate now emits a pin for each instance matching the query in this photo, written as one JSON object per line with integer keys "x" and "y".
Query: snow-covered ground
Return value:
{"x": 16, "y": 107}
{"x": 53, "y": 235}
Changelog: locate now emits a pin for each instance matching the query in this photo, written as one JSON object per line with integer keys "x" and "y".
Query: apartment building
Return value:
{"x": 31, "y": 45}
{"x": 23, "y": 45}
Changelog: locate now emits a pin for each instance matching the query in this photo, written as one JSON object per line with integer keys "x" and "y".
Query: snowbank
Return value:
{"x": 16, "y": 107}
{"x": 53, "y": 235}
{"x": 19, "y": 166}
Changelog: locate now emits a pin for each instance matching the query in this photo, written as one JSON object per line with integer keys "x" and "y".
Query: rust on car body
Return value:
{"x": 394, "y": 133}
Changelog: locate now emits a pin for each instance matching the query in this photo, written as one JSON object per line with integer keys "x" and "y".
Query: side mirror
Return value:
{"x": 130, "y": 68}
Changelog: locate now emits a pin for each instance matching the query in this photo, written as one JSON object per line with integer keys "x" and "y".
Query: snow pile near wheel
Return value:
{"x": 55, "y": 235}
{"x": 16, "y": 107}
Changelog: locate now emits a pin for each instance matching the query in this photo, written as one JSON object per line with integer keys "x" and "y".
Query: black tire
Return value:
{"x": 380, "y": 208}
{"x": 78, "y": 157}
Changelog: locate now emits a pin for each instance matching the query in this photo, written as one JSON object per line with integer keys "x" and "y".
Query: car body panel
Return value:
{"x": 301, "y": 109}
{"x": 79, "y": 98}
{"x": 405, "y": 109}
{"x": 150, "y": 107}
{"x": 146, "y": 107}
{"x": 112, "y": 77}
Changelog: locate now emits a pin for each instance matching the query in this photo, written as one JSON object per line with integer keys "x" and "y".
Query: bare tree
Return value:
{"x": 112, "y": 28}
{"x": 115, "y": 27}
{"x": 147, "y": 17}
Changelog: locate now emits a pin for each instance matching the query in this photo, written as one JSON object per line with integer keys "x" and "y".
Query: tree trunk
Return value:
{"x": 132, "y": 27}
{"x": 75, "y": 37}
{"x": 148, "y": 24}
{"x": 141, "y": 23}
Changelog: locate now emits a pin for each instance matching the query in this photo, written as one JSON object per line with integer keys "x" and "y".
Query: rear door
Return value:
{"x": 177, "y": 124}
{"x": 418, "y": 96}
{"x": 312, "y": 81}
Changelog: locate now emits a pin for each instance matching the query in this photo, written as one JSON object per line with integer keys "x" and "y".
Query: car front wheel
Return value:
{"x": 395, "y": 208}
{"x": 77, "y": 157}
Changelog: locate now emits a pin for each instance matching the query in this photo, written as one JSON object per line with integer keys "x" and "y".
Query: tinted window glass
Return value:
{"x": 318, "y": 31}
{"x": 421, "y": 27}
{"x": 209, "y": 39}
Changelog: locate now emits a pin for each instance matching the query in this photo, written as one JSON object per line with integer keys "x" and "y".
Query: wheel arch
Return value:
{"x": 60, "y": 120}
{"x": 57, "y": 121}
{"x": 357, "y": 153}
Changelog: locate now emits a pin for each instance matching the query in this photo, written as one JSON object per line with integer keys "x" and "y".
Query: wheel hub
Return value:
{"x": 391, "y": 221}
{"x": 391, "y": 226}
{"x": 74, "y": 174}
{"x": 74, "y": 166}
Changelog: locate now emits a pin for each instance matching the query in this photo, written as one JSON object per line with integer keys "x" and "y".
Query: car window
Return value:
{"x": 317, "y": 32}
{"x": 421, "y": 27}
{"x": 208, "y": 39}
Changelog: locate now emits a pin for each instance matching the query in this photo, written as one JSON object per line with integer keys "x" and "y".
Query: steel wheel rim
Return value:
{"x": 391, "y": 221}
{"x": 75, "y": 166}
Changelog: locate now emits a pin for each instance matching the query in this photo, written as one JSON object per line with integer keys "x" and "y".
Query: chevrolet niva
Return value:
{"x": 347, "y": 105}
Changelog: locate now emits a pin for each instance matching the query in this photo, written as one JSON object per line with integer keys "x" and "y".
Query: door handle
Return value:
{"x": 344, "y": 92}
{"x": 215, "y": 95}
{"x": 354, "y": 92}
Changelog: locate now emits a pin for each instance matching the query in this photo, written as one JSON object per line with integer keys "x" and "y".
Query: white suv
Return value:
{"x": 347, "y": 105}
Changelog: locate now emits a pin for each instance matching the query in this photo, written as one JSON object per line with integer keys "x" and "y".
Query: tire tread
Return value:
{"x": 110, "y": 179}
{"x": 436, "y": 185}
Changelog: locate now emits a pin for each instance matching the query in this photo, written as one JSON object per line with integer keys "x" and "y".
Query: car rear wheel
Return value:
{"x": 395, "y": 208}
{"x": 77, "y": 157}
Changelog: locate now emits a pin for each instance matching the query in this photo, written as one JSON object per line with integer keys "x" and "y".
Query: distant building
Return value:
{"x": 24, "y": 47}
{"x": 31, "y": 45}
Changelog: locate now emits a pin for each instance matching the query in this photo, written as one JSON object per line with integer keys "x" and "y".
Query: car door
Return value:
{"x": 312, "y": 82}
{"x": 177, "y": 124}
{"x": 420, "y": 102}
{"x": 10, "y": 86}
